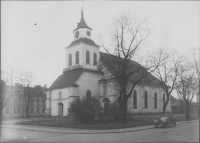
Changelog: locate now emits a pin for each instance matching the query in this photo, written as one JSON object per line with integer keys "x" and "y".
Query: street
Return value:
{"x": 184, "y": 132}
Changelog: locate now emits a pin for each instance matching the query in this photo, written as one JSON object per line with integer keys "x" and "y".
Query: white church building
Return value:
{"x": 81, "y": 77}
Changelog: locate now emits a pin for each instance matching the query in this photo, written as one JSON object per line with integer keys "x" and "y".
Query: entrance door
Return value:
{"x": 60, "y": 109}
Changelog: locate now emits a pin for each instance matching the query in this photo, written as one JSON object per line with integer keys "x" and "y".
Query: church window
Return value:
{"x": 163, "y": 99}
{"x": 88, "y": 99}
{"x": 7, "y": 110}
{"x": 135, "y": 99}
{"x": 60, "y": 94}
{"x": 38, "y": 110}
{"x": 77, "y": 57}
{"x": 32, "y": 110}
{"x": 146, "y": 100}
{"x": 15, "y": 110}
{"x": 87, "y": 57}
{"x": 155, "y": 100}
{"x": 70, "y": 59}
{"x": 95, "y": 59}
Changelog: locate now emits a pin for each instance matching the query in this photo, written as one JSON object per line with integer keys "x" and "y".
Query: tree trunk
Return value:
{"x": 187, "y": 113}
{"x": 165, "y": 105}
{"x": 123, "y": 107}
{"x": 1, "y": 114}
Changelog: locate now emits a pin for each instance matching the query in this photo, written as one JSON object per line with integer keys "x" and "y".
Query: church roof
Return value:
{"x": 108, "y": 60}
{"x": 84, "y": 40}
{"x": 67, "y": 80}
{"x": 82, "y": 23}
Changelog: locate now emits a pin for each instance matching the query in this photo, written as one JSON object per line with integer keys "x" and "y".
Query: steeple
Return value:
{"x": 82, "y": 23}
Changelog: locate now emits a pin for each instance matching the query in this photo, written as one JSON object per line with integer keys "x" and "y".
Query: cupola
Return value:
{"x": 82, "y": 30}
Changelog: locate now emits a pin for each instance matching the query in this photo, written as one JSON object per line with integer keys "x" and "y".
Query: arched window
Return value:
{"x": 88, "y": 99}
{"x": 163, "y": 99}
{"x": 77, "y": 57}
{"x": 146, "y": 100}
{"x": 155, "y": 100}
{"x": 70, "y": 59}
{"x": 95, "y": 59}
{"x": 87, "y": 57}
{"x": 135, "y": 99}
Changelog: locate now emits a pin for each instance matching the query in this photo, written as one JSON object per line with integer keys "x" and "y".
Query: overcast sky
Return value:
{"x": 34, "y": 34}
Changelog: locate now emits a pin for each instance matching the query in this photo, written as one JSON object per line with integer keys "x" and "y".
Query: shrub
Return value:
{"x": 129, "y": 115}
{"x": 114, "y": 111}
{"x": 80, "y": 109}
{"x": 101, "y": 115}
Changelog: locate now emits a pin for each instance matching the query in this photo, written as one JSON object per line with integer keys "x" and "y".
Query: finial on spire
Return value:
{"x": 82, "y": 10}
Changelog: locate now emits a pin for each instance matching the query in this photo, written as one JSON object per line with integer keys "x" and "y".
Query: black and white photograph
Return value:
{"x": 100, "y": 71}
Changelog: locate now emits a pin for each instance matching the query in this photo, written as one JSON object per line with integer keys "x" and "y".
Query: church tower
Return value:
{"x": 83, "y": 52}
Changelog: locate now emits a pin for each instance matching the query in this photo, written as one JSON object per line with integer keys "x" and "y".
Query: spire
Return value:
{"x": 82, "y": 23}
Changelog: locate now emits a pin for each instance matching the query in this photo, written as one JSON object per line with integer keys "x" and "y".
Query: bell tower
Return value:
{"x": 83, "y": 52}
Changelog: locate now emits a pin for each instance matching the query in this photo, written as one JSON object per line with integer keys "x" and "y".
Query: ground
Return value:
{"x": 183, "y": 132}
{"x": 139, "y": 120}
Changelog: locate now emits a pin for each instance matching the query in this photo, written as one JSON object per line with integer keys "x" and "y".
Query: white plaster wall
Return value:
{"x": 64, "y": 91}
{"x": 55, "y": 100}
{"x": 140, "y": 100}
{"x": 88, "y": 81}
{"x": 54, "y": 111}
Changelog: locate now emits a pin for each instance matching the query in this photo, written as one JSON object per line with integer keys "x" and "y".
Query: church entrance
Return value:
{"x": 60, "y": 109}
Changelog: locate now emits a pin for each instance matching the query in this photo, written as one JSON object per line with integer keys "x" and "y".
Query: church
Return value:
{"x": 82, "y": 77}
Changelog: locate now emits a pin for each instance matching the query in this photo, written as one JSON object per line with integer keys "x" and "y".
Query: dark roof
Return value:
{"x": 82, "y": 23}
{"x": 84, "y": 40}
{"x": 111, "y": 60}
{"x": 67, "y": 80}
{"x": 37, "y": 91}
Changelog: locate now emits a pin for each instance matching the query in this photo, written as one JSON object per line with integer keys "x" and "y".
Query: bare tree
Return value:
{"x": 127, "y": 36}
{"x": 167, "y": 72}
{"x": 6, "y": 90}
{"x": 187, "y": 85}
{"x": 196, "y": 64}
{"x": 27, "y": 79}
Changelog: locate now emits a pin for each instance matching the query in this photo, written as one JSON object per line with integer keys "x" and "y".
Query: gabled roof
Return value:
{"x": 111, "y": 60}
{"x": 84, "y": 40}
{"x": 67, "y": 80}
{"x": 82, "y": 23}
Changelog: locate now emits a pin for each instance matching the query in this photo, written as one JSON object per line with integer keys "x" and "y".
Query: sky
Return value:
{"x": 34, "y": 34}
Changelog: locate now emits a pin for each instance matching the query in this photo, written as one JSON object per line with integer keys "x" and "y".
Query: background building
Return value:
{"x": 16, "y": 105}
